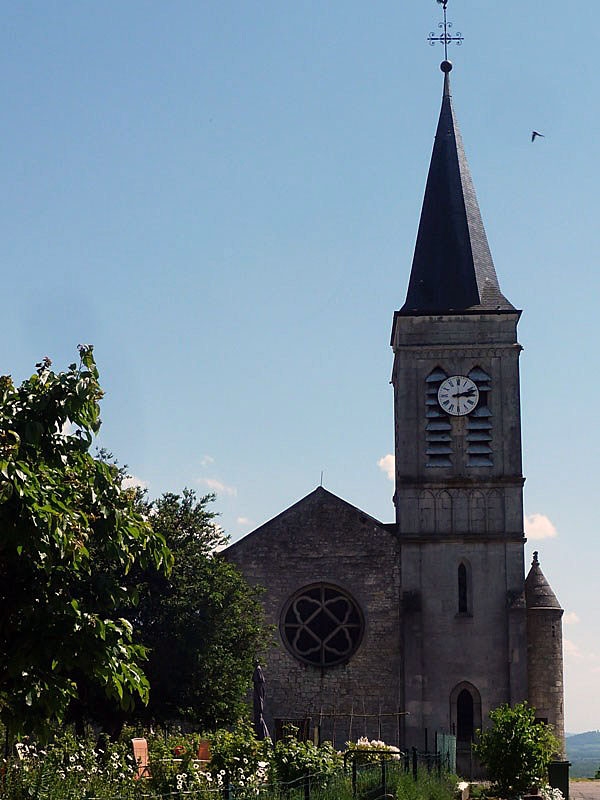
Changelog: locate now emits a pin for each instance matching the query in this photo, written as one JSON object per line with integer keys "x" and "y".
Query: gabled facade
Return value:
{"x": 424, "y": 625}
{"x": 332, "y": 580}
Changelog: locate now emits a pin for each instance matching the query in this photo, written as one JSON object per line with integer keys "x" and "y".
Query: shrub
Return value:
{"x": 240, "y": 759}
{"x": 516, "y": 750}
{"x": 174, "y": 766}
{"x": 368, "y": 752}
{"x": 293, "y": 760}
{"x": 69, "y": 768}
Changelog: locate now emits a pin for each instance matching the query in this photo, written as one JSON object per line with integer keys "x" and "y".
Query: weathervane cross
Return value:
{"x": 446, "y": 37}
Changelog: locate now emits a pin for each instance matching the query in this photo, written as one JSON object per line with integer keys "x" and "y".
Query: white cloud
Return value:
{"x": 132, "y": 482}
{"x": 218, "y": 486}
{"x": 387, "y": 464}
{"x": 539, "y": 526}
{"x": 243, "y": 521}
{"x": 571, "y": 618}
{"x": 206, "y": 460}
{"x": 571, "y": 649}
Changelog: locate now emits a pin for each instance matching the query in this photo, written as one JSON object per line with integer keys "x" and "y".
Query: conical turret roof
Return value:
{"x": 452, "y": 268}
{"x": 538, "y": 593}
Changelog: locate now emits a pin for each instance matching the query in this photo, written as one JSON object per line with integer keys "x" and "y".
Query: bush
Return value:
{"x": 293, "y": 760}
{"x": 370, "y": 752}
{"x": 240, "y": 759}
{"x": 516, "y": 750}
{"x": 68, "y": 769}
{"x": 174, "y": 767}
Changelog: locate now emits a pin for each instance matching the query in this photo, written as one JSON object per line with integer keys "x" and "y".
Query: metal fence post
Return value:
{"x": 306, "y": 787}
{"x": 414, "y": 764}
{"x": 383, "y": 776}
{"x": 354, "y": 777}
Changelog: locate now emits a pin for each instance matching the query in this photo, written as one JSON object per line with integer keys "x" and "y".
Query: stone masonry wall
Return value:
{"x": 545, "y": 666}
{"x": 322, "y": 538}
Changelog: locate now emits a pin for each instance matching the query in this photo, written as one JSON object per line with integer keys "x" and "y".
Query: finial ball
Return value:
{"x": 446, "y": 66}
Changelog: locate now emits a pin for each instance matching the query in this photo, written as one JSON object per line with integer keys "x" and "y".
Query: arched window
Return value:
{"x": 463, "y": 597}
{"x": 426, "y": 512}
{"x": 444, "y": 512}
{"x": 464, "y": 586}
{"x": 495, "y": 514}
{"x": 478, "y": 515}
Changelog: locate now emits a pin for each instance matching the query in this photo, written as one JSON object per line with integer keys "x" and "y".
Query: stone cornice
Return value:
{"x": 457, "y": 350}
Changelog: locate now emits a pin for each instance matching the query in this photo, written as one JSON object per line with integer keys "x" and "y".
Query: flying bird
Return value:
{"x": 534, "y": 134}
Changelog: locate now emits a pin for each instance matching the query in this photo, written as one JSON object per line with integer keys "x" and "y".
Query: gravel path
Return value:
{"x": 584, "y": 790}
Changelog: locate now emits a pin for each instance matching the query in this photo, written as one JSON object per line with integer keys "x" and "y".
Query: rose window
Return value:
{"x": 322, "y": 625}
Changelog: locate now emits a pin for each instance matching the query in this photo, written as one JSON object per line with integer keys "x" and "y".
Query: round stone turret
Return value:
{"x": 544, "y": 650}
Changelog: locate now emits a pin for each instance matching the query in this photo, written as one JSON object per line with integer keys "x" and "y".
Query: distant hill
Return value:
{"x": 583, "y": 751}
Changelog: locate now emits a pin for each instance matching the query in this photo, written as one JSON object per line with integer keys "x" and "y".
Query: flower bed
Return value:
{"x": 81, "y": 769}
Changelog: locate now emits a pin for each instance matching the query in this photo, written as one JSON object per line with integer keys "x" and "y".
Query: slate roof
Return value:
{"x": 538, "y": 593}
{"x": 452, "y": 268}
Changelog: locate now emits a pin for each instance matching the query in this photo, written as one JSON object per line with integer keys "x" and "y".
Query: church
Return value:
{"x": 416, "y": 628}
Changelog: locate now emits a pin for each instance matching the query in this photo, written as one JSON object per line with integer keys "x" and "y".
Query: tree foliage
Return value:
{"x": 69, "y": 535}
{"x": 203, "y": 624}
{"x": 516, "y": 750}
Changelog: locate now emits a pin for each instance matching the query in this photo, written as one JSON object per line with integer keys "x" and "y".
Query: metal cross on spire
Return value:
{"x": 446, "y": 37}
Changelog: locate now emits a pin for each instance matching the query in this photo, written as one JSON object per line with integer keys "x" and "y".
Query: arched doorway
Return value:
{"x": 465, "y": 724}
{"x": 465, "y": 717}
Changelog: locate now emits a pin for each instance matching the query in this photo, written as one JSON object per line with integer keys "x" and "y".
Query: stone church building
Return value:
{"x": 421, "y": 626}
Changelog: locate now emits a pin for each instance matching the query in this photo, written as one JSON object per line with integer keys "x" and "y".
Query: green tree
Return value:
{"x": 516, "y": 750}
{"x": 69, "y": 535}
{"x": 203, "y": 624}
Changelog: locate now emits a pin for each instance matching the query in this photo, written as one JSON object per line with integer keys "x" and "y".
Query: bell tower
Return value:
{"x": 459, "y": 481}
{"x": 456, "y": 371}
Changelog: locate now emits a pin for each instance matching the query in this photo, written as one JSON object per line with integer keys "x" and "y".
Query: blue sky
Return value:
{"x": 223, "y": 198}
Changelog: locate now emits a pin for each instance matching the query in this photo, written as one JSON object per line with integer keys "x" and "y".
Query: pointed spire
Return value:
{"x": 538, "y": 592}
{"x": 452, "y": 268}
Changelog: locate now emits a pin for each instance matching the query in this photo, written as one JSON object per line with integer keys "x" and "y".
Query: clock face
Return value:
{"x": 458, "y": 395}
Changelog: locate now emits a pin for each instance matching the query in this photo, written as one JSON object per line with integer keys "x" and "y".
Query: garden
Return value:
{"x": 239, "y": 767}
